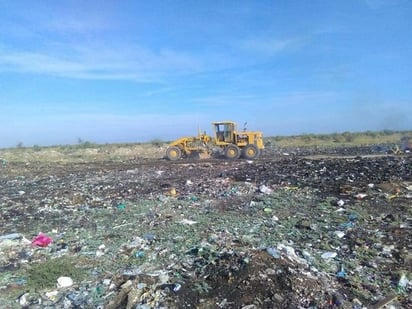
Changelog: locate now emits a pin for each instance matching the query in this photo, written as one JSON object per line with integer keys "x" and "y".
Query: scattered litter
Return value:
{"x": 339, "y": 234}
{"x": 64, "y": 282}
{"x": 155, "y": 234}
{"x": 329, "y": 255}
{"x": 264, "y": 189}
{"x": 360, "y": 196}
{"x": 273, "y": 252}
{"x": 41, "y": 240}
{"x": 340, "y": 203}
{"x": 187, "y": 221}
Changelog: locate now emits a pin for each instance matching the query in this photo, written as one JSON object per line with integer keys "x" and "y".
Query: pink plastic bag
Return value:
{"x": 41, "y": 240}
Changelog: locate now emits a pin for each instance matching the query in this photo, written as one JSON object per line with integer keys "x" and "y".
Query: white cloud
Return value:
{"x": 127, "y": 62}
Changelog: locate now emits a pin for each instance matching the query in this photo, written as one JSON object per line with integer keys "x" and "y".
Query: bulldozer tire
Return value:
{"x": 250, "y": 152}
{"x": 173, "y": 153}
{"x": 232, "y": 152}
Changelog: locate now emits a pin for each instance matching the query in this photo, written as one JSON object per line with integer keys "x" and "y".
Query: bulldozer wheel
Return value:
{"x": 173, "y": 153}
{"x": 232, "y": 152}
{"x": 250, "y": 152}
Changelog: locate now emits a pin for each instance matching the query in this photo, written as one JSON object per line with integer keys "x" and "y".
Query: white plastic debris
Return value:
{"x": 23, "y": 300}
{"x": 329, "y": 255}
{"x": 188, "y": 222}
{"x": 291, "y": 254}
{"x": 388, "y": 248}
{"x": 107, "y": 281}
{"x": 100, "y": 251}
{"x": 340, "y": 203}
{"x": 177, "y": 287}
{"x": 339, "y": 234}
{"x": 273, "y": 252}
{"x": 403, "y": 281}
{"x": 64, "y": 282}
{"x": 52, "y": 295}
{"x": 265, "y": 190}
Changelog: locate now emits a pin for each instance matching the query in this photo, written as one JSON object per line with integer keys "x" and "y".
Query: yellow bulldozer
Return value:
{"x": 227, "y": 140}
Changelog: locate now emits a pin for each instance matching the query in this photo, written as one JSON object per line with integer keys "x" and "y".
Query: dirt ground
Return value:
{"x": 293, "y": 229}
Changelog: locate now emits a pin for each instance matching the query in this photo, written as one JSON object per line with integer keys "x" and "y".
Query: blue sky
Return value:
{"x": 132, "y": 71}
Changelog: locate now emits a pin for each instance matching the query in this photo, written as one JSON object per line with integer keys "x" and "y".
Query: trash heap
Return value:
{"x": 280, "y": 232}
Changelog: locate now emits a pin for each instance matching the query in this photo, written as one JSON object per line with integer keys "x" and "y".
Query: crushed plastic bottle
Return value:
{"x": 402, "y": 284}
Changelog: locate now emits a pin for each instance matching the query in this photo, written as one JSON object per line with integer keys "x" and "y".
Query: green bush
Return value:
{"x": 157, "y": 142}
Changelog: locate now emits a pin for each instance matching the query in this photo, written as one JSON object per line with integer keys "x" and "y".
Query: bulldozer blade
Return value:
{"x": 199, "y": 155}
{"x": 204, "y": 155}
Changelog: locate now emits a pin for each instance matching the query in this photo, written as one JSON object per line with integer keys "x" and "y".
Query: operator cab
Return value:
{"x": 224, "y": 131}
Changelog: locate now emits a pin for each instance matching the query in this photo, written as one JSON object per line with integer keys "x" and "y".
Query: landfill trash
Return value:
{"x": 360, "y": 196}
{"x": 29, "y": 299}
{"x": 337, "y": 299}
{"x": 339, "y": 234}
{"x": 329, "y": 255}
{"x": 266, "y": 261}
{"x": 121, "y": 206}
{"x": 52, "y": 295}
{"x": 139, "y": 254}
{"x": 172, "y": 192}
{"x": 386, "y": 302}
{"x": 341, "y": 273}
{"x": 273, "y": 252}
{"x": 188, "y": 222}
{"x": 12, "y": 236}
{"x": 264, "y": 189}
{"x": 175, "y": 287}
{"x": 41, "y": 240}
{"x": 64, "y": 282}
{"x": 100, "y": 250}
{"x": 275, "y": 218}
{"x": 402, "y": 284}
{"x": 340, "y": 203}
{"x": 290, "y": 253}
{"x": 149, "y": 237}
{"x": 13, "y": 240}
